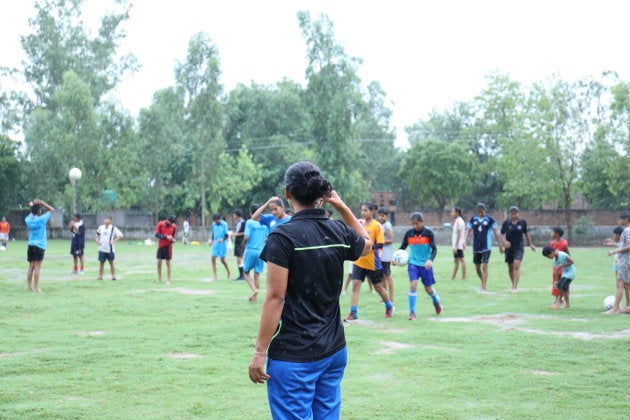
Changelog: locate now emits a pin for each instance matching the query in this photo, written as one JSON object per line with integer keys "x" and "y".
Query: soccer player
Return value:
{"x": 254, "y": 238}
{"x": 514, "y": 229}
{"x": 561, "y": 261}
{"x": 237, "y": 237}
{"x": 301, "y": 334}
{"x": 220, "y": 234}
{"x": 623, "y": 267}
{"x": 382, "y": 214}
{"x": 458, "y": 242}
{"x": 165, "y": 232}
{"x": 278, "y": 214}
{"x": 422, "y": 252}
{"x": 5, "y": 229}
{"x": 36, "y": 224}
{"x": 77, "y": 243}
{"x": 369, "y": 265}
{"x": 106, "y": 236}
{"x": 482, "y": 226}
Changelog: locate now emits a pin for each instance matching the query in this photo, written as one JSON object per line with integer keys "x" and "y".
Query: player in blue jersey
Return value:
{"x": 36, "y": 224}
{"x": 422, "y": 252}
{"x": 254, "y": 238}
{"x": 482, "y": 226}
{"x": 278, "y": 214}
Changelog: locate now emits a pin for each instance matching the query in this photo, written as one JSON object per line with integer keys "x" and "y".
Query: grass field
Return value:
{"x": 135, "y": 349}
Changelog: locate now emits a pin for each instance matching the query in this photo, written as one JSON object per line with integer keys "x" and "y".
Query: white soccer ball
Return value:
{"x": 609, "y": 302}
{"x": 3, "y": 248}
{"x": 75, "y": 174}
{"x": 400, "y": 257}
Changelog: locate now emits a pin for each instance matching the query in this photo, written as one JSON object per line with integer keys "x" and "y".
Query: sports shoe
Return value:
{"x": 438, "y": 307}
{"x": 412, "y": 316}
{"x": 351, "y": 317}
{"x": 389, "y": 312}
{"x": 80, "y": 271}
{"x": 113, "y": 278}
{"x": 74, "y": 272}
{"x": 99, "y": 278}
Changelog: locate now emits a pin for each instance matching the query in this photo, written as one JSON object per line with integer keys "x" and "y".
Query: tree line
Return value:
{"x": 197, "y": 149}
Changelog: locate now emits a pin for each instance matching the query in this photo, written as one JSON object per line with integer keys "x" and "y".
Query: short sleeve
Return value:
{"x": 277, "y": 250}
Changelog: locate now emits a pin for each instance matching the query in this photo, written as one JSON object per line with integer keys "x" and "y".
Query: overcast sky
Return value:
{"x": 425, "y": 54}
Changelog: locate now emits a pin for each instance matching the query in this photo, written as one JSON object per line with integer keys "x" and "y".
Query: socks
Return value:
{"x": 354, "y": 309}
{"x": 434, "y": 297}
{"x": 412, "y": 301}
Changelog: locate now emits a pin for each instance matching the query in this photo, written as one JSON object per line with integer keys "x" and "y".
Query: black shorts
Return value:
{"x": 106, "y": 256}
{"x": 563, "y": 284}
{"x": 458, "y": 254}
{"x": 35, "y": 253}
{"x": 387, "y": 268}
{"x": 239, "y": 250}
{"x": 481, "y": 257}
{"x": 165, "y": 253}
{"x": 358, "y": 273}
{"x": 77, "y": 252}
{"x": 514, "y": 254}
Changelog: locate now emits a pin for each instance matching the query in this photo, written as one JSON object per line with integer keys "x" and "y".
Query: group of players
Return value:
{"x": 249, "y": 238}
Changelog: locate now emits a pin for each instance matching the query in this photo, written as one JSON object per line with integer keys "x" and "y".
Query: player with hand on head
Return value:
{"x": 37, "y": 241}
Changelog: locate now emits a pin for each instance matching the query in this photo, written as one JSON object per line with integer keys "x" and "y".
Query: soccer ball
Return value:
{"x": 400, "y": 257}
{"x": 609, "y": 302}
{"x": 3, "y": 248}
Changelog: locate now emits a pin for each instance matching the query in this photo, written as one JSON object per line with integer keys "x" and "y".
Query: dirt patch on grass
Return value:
{"x": 516, "y": 322}
{"x": 543, "y": 372}
{"x": 181, "y": 290}
{"x": 92, "y": 333}
{"x": 183, "y": 355}
{"x": 389, "y": 347}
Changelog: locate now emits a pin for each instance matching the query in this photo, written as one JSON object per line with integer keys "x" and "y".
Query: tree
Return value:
{"x": 10, "y": 179}
{"x": 161, "y": 149}
{"x": 272, "y": 122}
{"x": 60, "y": 43}
{"x": 437, "y": 172}
{"x": 197, "y": 78}
{"x": 64, "y": 138}
{"x": 333, "y": 97}
{"x": 563, "y": 119}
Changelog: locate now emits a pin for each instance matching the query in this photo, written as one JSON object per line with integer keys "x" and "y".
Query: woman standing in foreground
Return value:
{"x": 301, "y": 332}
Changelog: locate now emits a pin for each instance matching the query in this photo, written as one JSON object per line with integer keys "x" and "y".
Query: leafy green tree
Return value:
{"x": 197, "y": 78}
{"x": 437, "y": 172}
{"x": 10, "y": 175}
{"x": 378, "y": 157}
{"x": 563, "y": 119}
{"x": 59, "y": 43}
{"x": 160, "y": 150}
{"x": 64, "y": 138}
{"x": 272, "y": 122}
{"x": 333, "y": 96}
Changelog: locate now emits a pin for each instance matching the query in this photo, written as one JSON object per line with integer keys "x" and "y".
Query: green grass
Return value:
{"x": 132, "y": 348}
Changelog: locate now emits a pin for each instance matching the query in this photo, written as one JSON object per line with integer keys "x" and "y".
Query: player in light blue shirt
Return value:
{"x": 561, "y": 260}
{"x": 220, "y": 234}
{"x": 255, "y": 236}
{"x": 36, "y": 223}
{"x": 277, "y": 217}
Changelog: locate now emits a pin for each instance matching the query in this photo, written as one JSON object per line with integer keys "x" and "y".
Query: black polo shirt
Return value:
{"x": 313, "y": 248}
{"x": 514, "y": 232}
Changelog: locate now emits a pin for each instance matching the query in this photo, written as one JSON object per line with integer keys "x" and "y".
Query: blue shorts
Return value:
{"x": 219, "y": 249}
{"x": 251, "y": 261}
{"x": 306, "y": 390}
{"x": 425, "y": 274}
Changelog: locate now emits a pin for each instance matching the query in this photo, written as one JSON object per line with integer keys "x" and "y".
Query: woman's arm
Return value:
{"x": 277, "y": 278}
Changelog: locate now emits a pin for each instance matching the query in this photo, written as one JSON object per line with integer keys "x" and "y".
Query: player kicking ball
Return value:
{"x": 422, "y": 252}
